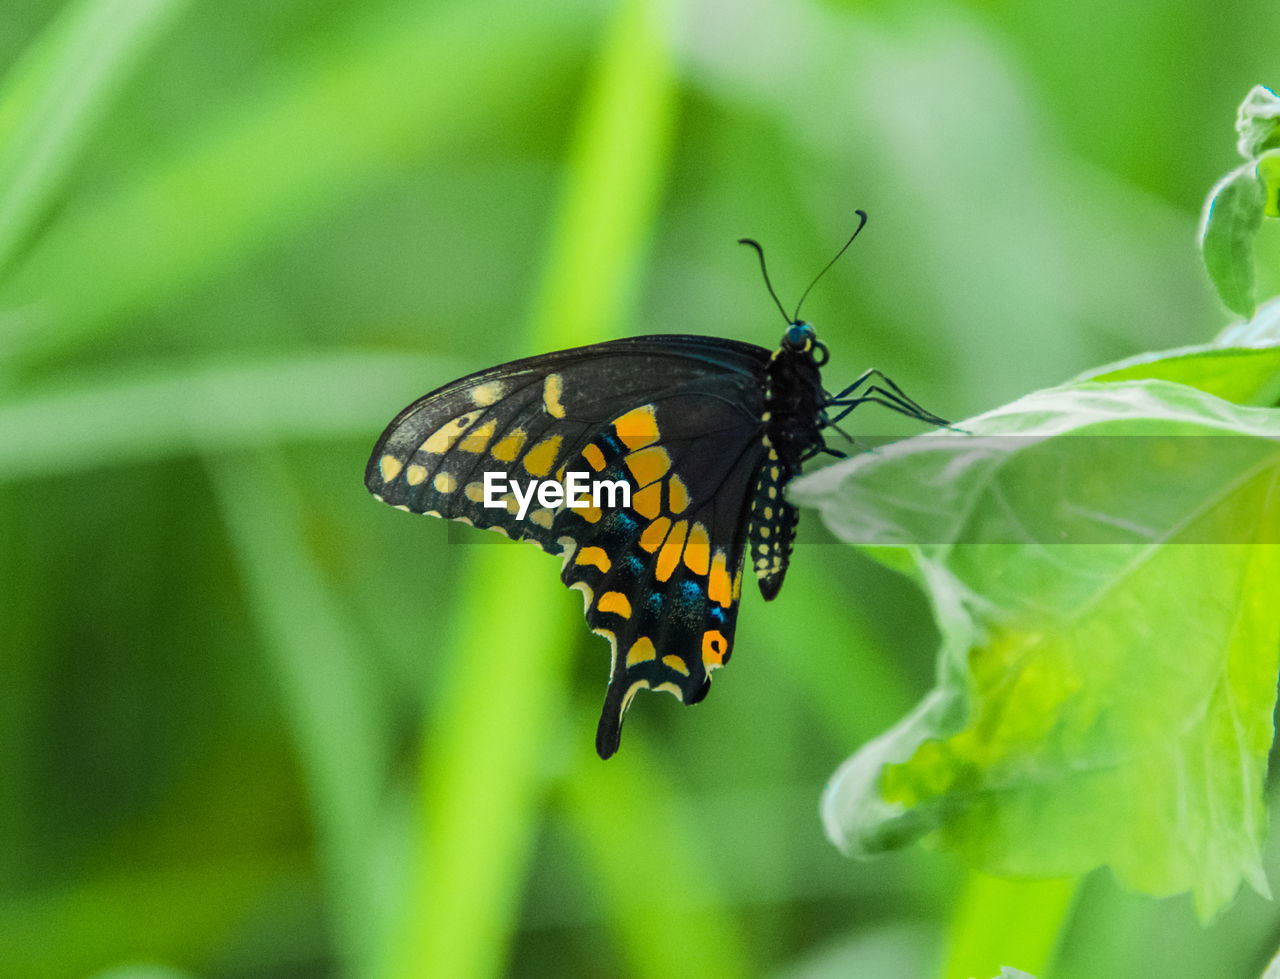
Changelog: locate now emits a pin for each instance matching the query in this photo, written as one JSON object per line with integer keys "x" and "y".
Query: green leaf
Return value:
{"x": 1102, "y": 568}
{"x": 1241, "y": 364}
{"x": 1258, "y": 123}
{"x": 1232, "y": 217}
{"x": 1260, "y": 331}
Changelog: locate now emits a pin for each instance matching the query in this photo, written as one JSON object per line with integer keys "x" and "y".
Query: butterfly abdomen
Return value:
{"x": 792, "y": 419}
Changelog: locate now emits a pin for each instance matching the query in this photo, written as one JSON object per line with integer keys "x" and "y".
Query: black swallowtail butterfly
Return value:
{"x": 703, "y": 432}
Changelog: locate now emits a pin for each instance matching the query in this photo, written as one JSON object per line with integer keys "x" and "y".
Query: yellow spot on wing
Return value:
{"x": 442, "y": 439}
{"x": 677, "y": 495}
{"x": 475, "y": 492}
{"x": 670, "y": 688}
{"x": 594, "y": 457}
{"x": 616, "y": 602}
{"x": 477, "y": 440}
{"x": 719, "y": 587}
{"x": 542, "y": 518}
{"x": 389, "y": 467}
{"x": 415, "y": 474}
{"x": 631, "y": 693}
{"x": 539, "y": 460}
{"x": 510, "y": 446}
{"x": 676, "y": 663}
{"x": 641, "y": 651}
{"x": 638, "y": 427}
{"x": 444, "y": 483}
{"x": 596, "y": 556}
{"x": 552, "y": 389}
{"x": 648, "y": 501}
{"x": 649, "y": 465}
{"x": 697, "y": 552}
{"x": 655, "y": 534}
{"x": 488, "y": 393}
{"x": 669, "y": 556}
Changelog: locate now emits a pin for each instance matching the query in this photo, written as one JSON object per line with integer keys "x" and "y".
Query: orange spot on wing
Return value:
{"x": 638, "y": 427}
{"x": 714, "y": 648}
{"x": 655, "y": 534}
{"x": 539, "y": 460}
{"x": 616, "y": 602}
{"x": 677, "y": 495}
{"x": 697, "y": 552}
{"x": 641, "y": 651}
{"x": 649, "y": 465}
{"x": 595, "y": 556}
{"x": 669, "y": 557}
{"x": 648, "y": 501}
{"x": 594, "y": 457}
{"x": 719, "y": 587}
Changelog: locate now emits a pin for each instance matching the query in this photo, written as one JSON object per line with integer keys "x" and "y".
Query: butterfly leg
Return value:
{"x": 866, "y": 376}
{"x": 818, "y": 450}
{"x": 890, "y": 392}
{"x": 878, "y": 396}
{"x": 889, "y": 396}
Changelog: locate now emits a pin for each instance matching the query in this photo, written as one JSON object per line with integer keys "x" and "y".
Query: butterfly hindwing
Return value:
{"x": 661, "y": 578}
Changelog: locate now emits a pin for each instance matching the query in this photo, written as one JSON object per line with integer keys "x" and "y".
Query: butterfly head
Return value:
{"x": 802, "y": 338}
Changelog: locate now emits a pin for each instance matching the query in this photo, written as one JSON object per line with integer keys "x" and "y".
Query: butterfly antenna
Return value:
{"x": 765, "y": 272}
{"x": 861, "y": 224}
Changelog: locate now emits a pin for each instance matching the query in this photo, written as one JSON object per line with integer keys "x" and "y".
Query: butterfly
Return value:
{"x": 693, "y": 440}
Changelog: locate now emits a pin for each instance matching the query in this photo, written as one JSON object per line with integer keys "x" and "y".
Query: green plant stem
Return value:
{"x": 1007, "y": 922}
{"x": 484, "y": 774}
{"x": 325, "y": 687}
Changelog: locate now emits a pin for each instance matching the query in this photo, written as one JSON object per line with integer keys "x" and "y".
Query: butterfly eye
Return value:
{"x": 799, "y": 334}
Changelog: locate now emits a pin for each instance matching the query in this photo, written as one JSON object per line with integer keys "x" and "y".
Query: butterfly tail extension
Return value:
{"x": 609, "y": 730}
{"x": 668, "y": 623}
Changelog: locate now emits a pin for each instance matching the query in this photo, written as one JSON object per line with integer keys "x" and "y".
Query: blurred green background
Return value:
{"x": 254, "y": 724}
